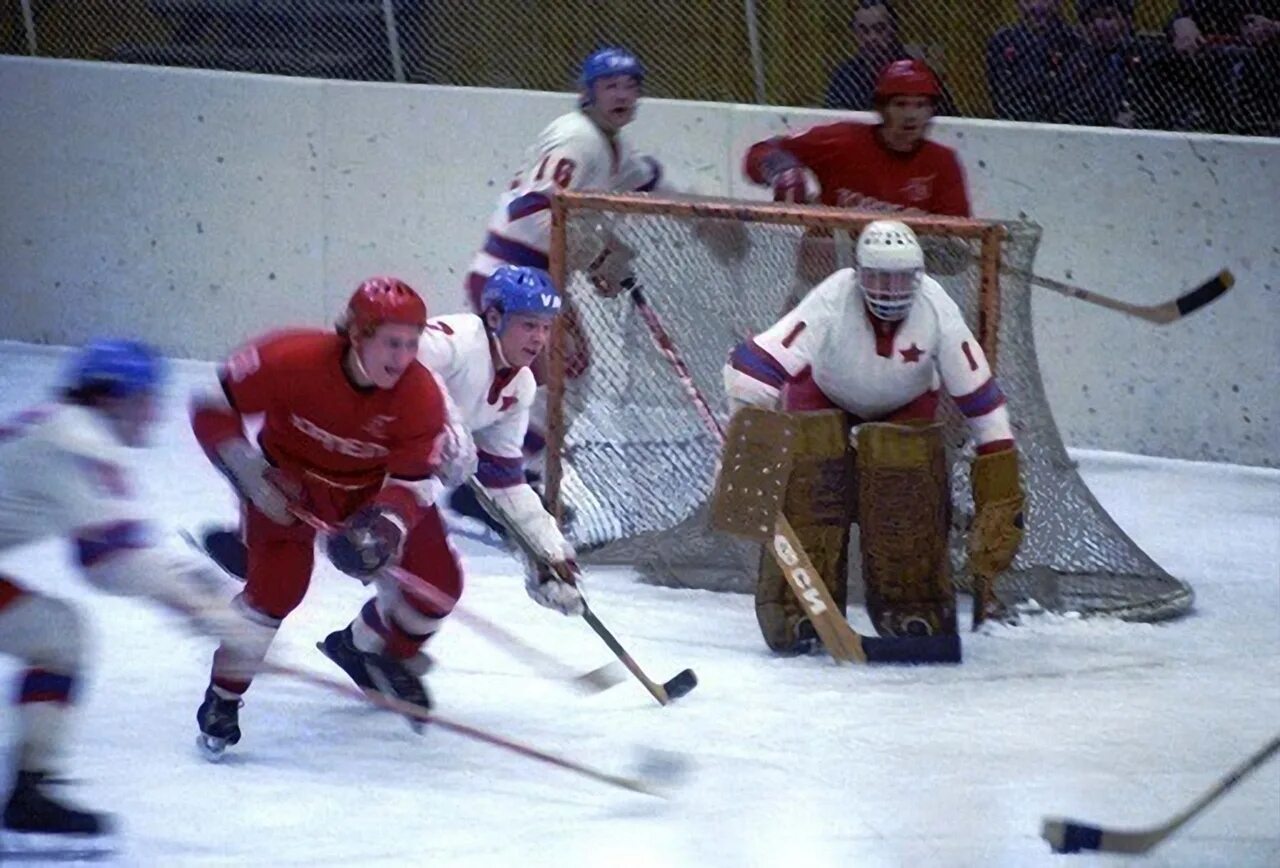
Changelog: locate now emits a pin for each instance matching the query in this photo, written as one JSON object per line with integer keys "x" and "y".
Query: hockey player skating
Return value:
{"x": 483, "y": 361}
{"x": 880, "y": 341}
{"x": 66, "y": 470}
{"x": 352, "y": 422}
{"x": 583, "y": 150}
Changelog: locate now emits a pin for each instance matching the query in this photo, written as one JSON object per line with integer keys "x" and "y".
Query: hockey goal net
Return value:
{"x": 630, "y": 466}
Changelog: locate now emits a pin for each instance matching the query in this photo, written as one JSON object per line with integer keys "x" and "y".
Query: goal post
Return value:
{"x": 630, "y": 467}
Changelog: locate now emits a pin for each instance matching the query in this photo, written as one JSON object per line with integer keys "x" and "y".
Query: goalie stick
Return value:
{"x": 595, "y": 681}
{"x": 679, "y": 685}
{"x": 840, "y": 640}
{"x": 1071, "y": 836}
{"x": 1160, "y": 314}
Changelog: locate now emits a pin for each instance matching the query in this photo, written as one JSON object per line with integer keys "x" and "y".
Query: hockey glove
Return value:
{"x": 458, "y": 458}
{"x": 796, "y": 184}
{"x": 256, "y": 481}
{"x": 612, "y": 272}
{"x": 369, "y": 540}
{"x": 997, "y": 522}
{"x": 556, "y": 586}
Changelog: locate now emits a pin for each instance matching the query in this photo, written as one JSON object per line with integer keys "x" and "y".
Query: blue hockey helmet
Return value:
{"x": 118, "y": 368}
{"x": 519, "y": 289}
{"x": 605, "y": 62}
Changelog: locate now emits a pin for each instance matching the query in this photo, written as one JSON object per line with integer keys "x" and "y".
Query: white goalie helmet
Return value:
{"x": 890, "y": 268}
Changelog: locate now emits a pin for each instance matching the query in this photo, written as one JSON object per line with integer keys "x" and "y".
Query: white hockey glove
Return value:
{"x": 257, "y": 481}
{"x": 458, "y": 458}
{"x": 557, "y": 585}
{"x": 612, "y": 272}
{"x": 796, "y": 184}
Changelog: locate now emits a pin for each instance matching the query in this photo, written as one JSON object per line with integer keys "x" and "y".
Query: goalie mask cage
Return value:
{"x": 630, "y": 467}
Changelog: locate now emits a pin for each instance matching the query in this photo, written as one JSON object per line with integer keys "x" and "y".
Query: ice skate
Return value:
{"x": 219, "y": 721}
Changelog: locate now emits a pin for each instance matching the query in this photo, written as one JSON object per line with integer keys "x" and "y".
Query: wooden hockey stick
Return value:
{"x": 841, "y": 641}
{"x": 1160, "y": 314}
{"x": 677, "y": 686}
{"x": 595, "y": 681}
{"x": 1070, "y": 836}
{"x": 407, "y": 709}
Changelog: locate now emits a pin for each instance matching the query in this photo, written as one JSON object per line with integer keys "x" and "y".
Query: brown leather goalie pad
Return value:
{"x": 904, "y": 506}
{"x": 819, "y": 503}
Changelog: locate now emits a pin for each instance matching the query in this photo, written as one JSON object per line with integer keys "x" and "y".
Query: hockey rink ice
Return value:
{"x": 791, "y": 761}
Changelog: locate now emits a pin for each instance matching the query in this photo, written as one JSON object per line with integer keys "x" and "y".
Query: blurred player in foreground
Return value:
{"x": 880, "y": 341}
{"x": 352, "y": 424}
{"x": 66, "y": 470}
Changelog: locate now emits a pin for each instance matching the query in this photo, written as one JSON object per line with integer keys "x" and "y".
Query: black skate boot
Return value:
{"x": 227, "y": 550}
{"x": 30, "y": 809}
{"x": 219, "y": 721}
{"x": 395, "y": 679}
{"x": 339, "y": 646}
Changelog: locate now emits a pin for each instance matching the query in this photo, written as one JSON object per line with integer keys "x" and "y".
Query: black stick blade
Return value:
{"x": 1068, "y": 836}
{"x": 1206, "y": 292}
{"x": 681, "y": 684}
{"x": 912, "y": 649}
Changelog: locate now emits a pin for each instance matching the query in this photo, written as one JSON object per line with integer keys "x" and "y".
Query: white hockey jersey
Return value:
{"x": 867, "y": 369}
{"x": 494, "y": 403}
{"x": 63, "y": 472}
{"x": 572, "y": 154}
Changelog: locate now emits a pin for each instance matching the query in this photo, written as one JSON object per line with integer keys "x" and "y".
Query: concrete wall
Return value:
{"x": 197, "y": 208}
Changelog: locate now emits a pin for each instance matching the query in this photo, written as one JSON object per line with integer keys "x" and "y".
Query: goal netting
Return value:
{"x": 631, "y": 467}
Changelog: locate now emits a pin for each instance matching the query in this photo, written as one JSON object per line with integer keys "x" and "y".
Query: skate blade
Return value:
{"x": 41, "y": 848}
{"x": 211, "y": 748}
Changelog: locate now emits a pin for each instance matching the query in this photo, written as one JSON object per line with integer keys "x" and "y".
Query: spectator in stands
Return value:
{"x": 1101, "y": 76}
{"x": 875, "y": 30}
{"x": 1239, "y": 40}
{"x": 1025, "y": 62}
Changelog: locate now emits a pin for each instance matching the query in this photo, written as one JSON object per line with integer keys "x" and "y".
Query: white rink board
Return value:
{"x": 196, "y": 208}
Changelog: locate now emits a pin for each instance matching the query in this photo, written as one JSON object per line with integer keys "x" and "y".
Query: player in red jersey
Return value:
{"x": 350, "y": 421}
{"x": 890, "y": 166}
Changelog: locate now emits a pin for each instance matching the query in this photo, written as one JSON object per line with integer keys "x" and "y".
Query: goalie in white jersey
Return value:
{"x": 65, "y": 471}
{"x": 878, "y": 343}
{"x": 483, "y": 362}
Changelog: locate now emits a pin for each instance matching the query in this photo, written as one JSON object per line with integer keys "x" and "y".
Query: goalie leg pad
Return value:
{"x": 819, "y": 503}
{"x": 904, "y": 517}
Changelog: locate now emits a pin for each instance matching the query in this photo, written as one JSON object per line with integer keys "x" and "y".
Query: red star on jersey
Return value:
{"x": 912, "y": 353}
{"x": 507, "y": 402}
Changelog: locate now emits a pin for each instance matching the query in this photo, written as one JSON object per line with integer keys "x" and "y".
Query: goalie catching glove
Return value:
{"x": 998, "y": 503}
{"x": 369, "y": 539}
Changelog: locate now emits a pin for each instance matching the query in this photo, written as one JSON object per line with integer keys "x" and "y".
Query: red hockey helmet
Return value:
{"x": 381, "y": 300}
{"x": 908, "y": 77}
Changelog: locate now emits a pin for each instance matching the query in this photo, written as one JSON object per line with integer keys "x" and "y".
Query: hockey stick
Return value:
{"x": 407, "y": 709}
{"x": 595, "y": 681}
{"x": 841, "y": 640}
{"x": 1070, "y": 836}
{"x": 1160, "y": 314}
{"x": 674, "y": 688}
